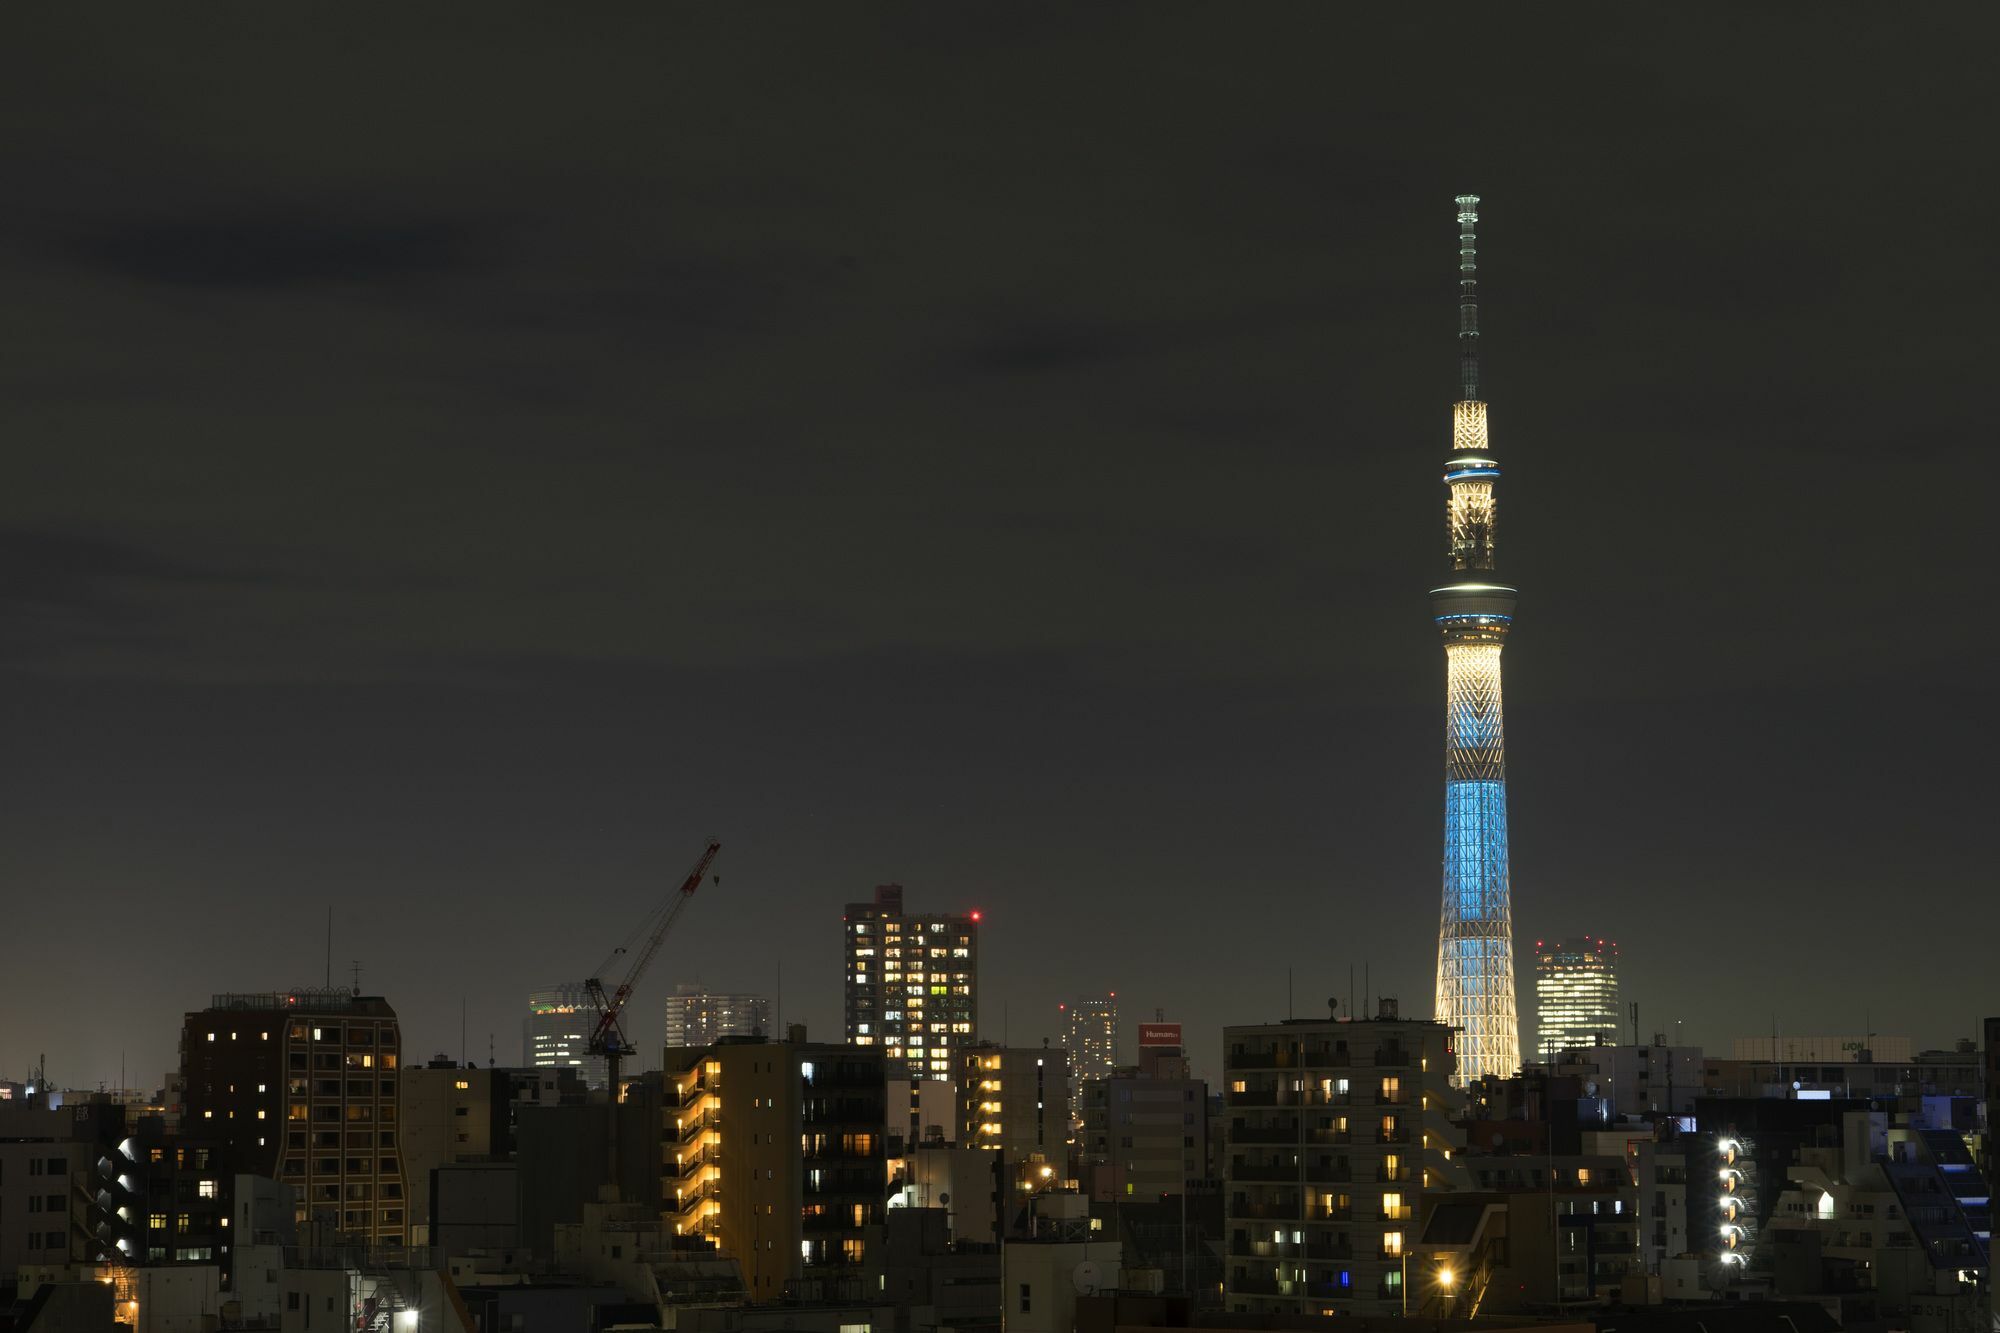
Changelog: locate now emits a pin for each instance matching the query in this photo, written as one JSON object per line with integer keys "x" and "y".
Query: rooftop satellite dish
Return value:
{"x": 1499, "y": 1139}
{"x": 1088, "y": 1277}
{"x": 1590, "y": 1089}
{"x": 944, "y": 1198}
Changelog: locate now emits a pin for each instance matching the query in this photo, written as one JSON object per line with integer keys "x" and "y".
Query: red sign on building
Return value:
{"x": 1159, "y": 1034}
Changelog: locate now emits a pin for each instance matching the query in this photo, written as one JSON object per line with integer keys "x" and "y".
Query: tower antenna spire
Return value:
{"x": 1468, "y": 298}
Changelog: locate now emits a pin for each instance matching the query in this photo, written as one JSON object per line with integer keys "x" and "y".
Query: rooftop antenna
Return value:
{"x": 356, "y": 970}
{"x": 329, "y": 946}
{"x": 1468, "y": 298}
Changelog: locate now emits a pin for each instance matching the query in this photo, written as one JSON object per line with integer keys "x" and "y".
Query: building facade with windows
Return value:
{"x": 1337, "y": 1132}
{"x": 301, "y": 1086}
{"x": 697, "y": 1016}
{"x": 1091, "y": 1032}
{"x": 777, "y": 1152}
{"x": 1015, "y": 1100}
{"x": 556, "y": 1032}
{"x": 1144, "y": 1137}
{"x": 912, "y": 983}
{"x": 69, "y": 1192}
{"x": 1576, "y": 994}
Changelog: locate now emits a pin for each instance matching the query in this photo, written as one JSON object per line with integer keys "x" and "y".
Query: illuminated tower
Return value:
{"x": 1474, "y": 609}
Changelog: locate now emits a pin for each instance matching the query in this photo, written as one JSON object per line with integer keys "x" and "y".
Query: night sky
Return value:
{"x": 456, "y": 462}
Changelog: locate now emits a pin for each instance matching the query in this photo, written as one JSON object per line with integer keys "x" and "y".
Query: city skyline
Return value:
{"x": 450, "y": 506}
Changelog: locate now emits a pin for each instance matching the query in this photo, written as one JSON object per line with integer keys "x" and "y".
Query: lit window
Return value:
{"x": 1392, "y": 1243}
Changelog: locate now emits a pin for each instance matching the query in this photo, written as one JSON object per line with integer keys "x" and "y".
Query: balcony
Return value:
{"x": 1321, "y": 1253}
{"x": 1244, "y": 1248}
{"x": 1283, "y": 1133}
{"x": 1289, "y": 1210}
{"x": 1267, "y": 1171}
{"x": 1385, "y": 1173}
{"x": 1289, "y": 1057}
{"x": 1332, "y": 1136}
{"x": 1333, "y": 1174}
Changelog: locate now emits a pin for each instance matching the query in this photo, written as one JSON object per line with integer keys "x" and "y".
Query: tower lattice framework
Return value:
{"x": 1474, "y": 609}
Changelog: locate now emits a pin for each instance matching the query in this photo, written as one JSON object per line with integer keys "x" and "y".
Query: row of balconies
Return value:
{"x": 1316, "y": 1173}
{"x": 1312, "y": 1251}
{"x": 1287, "y": 1097}
{"x": 1332, "y": 1172}
{"x": 1313, "y": 1287}
{"x": 1317, "y": 1057}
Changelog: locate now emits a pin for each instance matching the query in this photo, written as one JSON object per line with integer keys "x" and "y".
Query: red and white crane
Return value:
{"x": 608, "y": 1038}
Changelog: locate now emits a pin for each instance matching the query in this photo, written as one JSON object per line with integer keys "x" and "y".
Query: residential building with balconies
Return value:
{"x": 776, "y": 1152}
{"x": 1338, "y": 1132}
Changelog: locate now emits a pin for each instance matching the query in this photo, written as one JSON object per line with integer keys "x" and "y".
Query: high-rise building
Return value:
{"x": 1576, "y": 994}
{"x": 1093, "y": 1046}
{"x": 697, "y": 1016}
{"x": 556, "y": 1032}
{"x": 912, "y": 983}
{"x": 1338, "y": 1133}
{"x": 301, "y": 1086}
{"x": 777, "y": 1151}
{"x": 1474, "y": 609}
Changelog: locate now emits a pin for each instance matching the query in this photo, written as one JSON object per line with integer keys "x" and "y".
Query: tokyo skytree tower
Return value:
{"x": 1474, "y": 609}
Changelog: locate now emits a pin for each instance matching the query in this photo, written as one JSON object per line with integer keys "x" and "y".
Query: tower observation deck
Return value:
{"x": 1474, "y": 609}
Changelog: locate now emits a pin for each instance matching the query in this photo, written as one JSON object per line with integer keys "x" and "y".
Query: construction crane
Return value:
{"x": 608, "y": 1038}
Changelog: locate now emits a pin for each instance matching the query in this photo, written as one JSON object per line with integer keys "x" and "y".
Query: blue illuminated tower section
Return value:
{"x": 1474, "y": 608}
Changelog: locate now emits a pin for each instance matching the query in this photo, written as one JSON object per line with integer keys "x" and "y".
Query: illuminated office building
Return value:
{"x": 1576, "y": 994}
{"x": 556, "y": 1033}
{"x": 1474, "y": 609}
{"x": 912, "y": 983}
{"x": 697, "y": 1016}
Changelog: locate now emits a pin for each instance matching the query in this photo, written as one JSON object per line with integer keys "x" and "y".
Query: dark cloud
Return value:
{"x": 271, "y": 252}
{"x": 996, "y": 448}
{"x": 57, "y": 568}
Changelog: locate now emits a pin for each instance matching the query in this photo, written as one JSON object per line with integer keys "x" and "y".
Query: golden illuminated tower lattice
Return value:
{"x": 1474, "y": 609}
